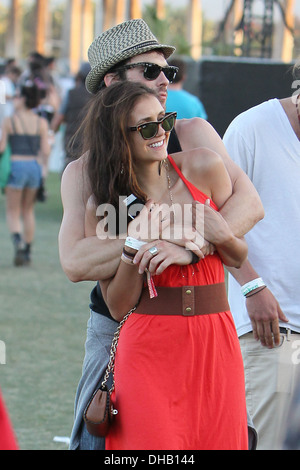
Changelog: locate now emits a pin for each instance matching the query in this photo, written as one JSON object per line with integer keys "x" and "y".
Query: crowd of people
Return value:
{"x": 38, "y": 69}
{"x": 196, "y": 367}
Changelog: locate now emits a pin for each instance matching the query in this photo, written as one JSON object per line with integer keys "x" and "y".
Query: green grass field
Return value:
{"x": 43, "y": 320}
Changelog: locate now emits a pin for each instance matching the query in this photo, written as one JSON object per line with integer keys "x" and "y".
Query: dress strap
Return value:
{"x": 196, "y": 193}
{"x": 178, "y": 171}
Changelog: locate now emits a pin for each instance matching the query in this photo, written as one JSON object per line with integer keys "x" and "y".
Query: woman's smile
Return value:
{"x": 157, "y": 144}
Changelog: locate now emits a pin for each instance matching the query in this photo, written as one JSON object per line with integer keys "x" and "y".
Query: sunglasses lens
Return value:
{"x": 151, "y": 71}
{"x": 168, "y": 123}
{"x": 170, "y": 74}
{"x": 149, "y": 130}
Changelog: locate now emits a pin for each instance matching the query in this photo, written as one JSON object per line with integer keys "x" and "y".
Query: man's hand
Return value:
{"x": 264, "y": 312}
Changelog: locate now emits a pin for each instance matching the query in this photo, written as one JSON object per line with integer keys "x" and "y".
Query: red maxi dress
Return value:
{"x": 179, "y": 381}
{"x": 7, "y": 436}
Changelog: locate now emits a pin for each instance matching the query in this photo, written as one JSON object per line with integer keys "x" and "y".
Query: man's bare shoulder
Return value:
{"x": 195, "y": 133}
{"x": 75, "y": 179}
{"x": 76, "y": 167}
{"x": 195, "y": 122}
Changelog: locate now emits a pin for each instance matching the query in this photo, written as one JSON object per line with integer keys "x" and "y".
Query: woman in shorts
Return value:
{"x": 27, "y": 135}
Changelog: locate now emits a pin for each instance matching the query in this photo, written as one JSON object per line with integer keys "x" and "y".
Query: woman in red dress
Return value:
{"x": 179, "y": 380}
{"x": 7, "y": 436}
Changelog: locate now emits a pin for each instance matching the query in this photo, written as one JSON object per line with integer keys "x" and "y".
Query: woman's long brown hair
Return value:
{"x": 106, "y": 141}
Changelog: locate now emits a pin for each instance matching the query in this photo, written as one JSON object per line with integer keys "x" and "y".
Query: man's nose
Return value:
{"x": 162, "y": 79}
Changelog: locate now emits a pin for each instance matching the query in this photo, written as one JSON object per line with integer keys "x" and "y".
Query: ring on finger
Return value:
{"x": 153, "y": 250}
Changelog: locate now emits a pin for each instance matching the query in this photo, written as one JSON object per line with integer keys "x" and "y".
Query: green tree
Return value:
{"x": 3, "y": 28}
{"x": 171, "y": 30}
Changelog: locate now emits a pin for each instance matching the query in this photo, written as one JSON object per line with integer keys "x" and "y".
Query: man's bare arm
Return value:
{"x": 263, "y": 309}
{"x": 83, "y": 258}
{"x": 244, "y": 208}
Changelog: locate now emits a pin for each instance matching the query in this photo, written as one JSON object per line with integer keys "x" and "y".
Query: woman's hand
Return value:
{"x": 167, "y": 253}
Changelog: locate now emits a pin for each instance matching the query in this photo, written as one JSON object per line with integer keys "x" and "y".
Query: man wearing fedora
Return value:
{"x": 128, "y": 51}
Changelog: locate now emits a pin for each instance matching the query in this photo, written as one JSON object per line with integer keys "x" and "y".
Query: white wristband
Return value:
{"x": 252, "y": 285}
{"x": 134, "y": 243}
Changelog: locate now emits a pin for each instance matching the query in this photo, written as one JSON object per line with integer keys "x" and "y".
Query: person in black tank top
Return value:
{"x": 27, "y": 136}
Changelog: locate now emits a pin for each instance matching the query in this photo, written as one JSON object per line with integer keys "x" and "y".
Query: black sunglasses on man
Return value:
{"x": 152, "y": 71}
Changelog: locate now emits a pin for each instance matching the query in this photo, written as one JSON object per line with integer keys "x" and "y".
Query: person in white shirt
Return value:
{"x": 8, "y": 90}
{"x": 264, "y": 296}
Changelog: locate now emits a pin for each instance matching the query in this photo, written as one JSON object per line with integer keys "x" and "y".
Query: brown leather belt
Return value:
{"x": 186, "y": 300}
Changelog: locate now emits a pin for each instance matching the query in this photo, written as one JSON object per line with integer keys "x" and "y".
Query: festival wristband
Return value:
{"x": 255, "y": 292}
{"x": 252, "y": 285}
{"x": 134, "y": 243}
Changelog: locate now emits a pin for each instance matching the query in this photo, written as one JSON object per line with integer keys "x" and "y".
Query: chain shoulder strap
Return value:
{"x": 111, "y": 364}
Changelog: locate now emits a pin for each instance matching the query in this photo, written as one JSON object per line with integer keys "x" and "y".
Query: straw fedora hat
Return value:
{"x": 119, "y": 43}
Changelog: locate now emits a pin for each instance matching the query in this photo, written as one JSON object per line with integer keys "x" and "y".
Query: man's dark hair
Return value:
{"x": 118, "y": 70}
